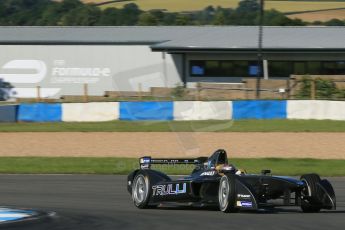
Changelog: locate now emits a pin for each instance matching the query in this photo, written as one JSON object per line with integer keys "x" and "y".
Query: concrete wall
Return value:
{"x": 64, "y": 69}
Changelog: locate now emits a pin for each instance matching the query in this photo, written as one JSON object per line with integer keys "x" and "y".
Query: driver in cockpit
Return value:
{"x": 219, "y": 162}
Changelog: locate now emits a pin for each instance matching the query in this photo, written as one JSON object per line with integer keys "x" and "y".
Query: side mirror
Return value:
{"x": 265, "y": 171}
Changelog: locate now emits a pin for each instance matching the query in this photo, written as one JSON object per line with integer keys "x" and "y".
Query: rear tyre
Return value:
{"x": 141, "y": 190}
{"x": 313, "y": 203}
{"x": 227, "y": 194}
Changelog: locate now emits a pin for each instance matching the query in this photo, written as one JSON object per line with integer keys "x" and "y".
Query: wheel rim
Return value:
{"x": 308, "y": 187}
{"x": 223, "y": 194}
{"x": 139, "y": 190}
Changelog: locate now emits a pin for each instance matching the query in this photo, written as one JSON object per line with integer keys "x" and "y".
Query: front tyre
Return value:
{"x": 141, "y": 190}
{"x": 227, "y": 194}
{"x": 312, "y": 191}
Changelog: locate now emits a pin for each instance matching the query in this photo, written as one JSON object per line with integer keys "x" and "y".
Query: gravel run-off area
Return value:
{"x": 170, "y": 144}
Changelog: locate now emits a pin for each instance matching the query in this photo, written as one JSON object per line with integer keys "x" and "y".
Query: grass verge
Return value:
{"x": 181, "y": 126}
{"x": 193, "y": 5}
{"x": 85, "y": 165}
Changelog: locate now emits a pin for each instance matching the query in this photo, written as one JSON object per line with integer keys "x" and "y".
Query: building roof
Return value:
{"x": 91, "y": 35}
{"x": 183, "y": 38}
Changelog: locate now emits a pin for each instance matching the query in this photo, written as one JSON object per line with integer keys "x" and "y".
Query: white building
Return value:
{"x": 62, "y": 59}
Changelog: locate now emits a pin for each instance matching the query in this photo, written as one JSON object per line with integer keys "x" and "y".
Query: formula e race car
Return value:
{"x": 215, "y": 182}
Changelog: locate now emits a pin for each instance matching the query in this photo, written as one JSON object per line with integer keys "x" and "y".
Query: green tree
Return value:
{"x": 182, "y": 20}
{"x": 219, "y": 18}
{"x": 55, "y": 11}
{"x": 324, "y": 89}
{"x": 110, "y": 17}
{"x": 147, "y": 19}
{"x": 169, "y": 19}
{"x": 130, "y": 14}
{"x": 22, "y": 12}
{"x": 75, "y": 12}
{"x": 317, "y": 23}
{"x": 276, "y": 18}
{"x": 335, "y": 22}
{"x": 86, "y": 15}
{"x": 206, "y": 16}
{"x": 248, "y": 6}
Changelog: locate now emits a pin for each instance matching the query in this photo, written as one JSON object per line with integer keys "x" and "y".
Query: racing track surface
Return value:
{"x": 89, "y": 202}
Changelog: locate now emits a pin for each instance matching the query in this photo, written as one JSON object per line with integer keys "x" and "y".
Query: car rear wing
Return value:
{"x": 146, "y": 162}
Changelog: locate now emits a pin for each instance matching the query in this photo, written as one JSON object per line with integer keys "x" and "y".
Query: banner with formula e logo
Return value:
{"x": 65, "y": 69}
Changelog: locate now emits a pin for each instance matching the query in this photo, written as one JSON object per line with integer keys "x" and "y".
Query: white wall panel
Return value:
{"x": 315, "y": 109}
{"x": 200, "y": 110}
{"x": 84, "y": 112}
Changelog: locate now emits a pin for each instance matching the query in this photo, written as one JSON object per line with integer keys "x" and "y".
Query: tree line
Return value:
{"x": 76, "y": 13}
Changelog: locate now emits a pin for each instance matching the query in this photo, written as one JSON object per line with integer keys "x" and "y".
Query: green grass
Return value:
{"x": 195, "y": 5}
{"x": 84, "y": 165}
{"x": 296, "y": 6}
{"x": 321, "y": 15}
{"x": 181, "y": 126}
{"x": 176, "y": 5}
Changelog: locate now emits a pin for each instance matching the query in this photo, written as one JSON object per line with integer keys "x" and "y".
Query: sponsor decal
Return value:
{"x": 169, "y": 189}
{"x": 209, "y": 173}
{"x": 145, "y": 160}
{"x": 243, "y": 196}
{"x": 246, "y": 204}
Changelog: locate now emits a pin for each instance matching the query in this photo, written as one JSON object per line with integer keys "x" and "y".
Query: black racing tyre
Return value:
{"x": 227, "y": 194}
{"x": 141, "y": 190}
{"x": 313, "y": 203}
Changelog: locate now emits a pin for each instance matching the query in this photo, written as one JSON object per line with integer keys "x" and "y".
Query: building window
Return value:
{"x": 279, "y": 68}
{"x": 334, "y": 68}
{"x": 314, "y": 68}
{"x": 286, "y": 68}
{"x": 299, "y": 68}
{"x": 223, "y": 68}
{"x": 238, "y": 68}
{"x": 340, "y": 67}
{"x": 213, "y": 68}
{"x": 198, "y": 68}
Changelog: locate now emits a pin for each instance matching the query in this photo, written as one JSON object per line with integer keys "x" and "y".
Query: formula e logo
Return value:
{"x": 38, "y": 67}
{"x": 169, "y": 189}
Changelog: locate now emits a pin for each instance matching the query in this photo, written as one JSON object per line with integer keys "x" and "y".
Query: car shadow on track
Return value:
{"x": 288, "y": 210}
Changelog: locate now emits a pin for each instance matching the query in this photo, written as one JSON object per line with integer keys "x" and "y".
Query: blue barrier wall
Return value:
{"x": 259, "y": 109}
{"x": 146, "y": 110}
{"x": 248, "y": 109}
{"x": 40, "y": 112}
{"x": 8, "y": 113}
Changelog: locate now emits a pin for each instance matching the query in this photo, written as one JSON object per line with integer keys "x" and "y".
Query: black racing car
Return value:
{"x": 215, "y": 182}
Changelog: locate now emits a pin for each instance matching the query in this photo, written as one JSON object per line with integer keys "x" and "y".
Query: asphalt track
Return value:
{"x": 85, "y": 202}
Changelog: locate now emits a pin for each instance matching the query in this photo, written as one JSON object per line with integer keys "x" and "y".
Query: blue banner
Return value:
{"x": 260, "y": 109}
{"x": 8, "y": 113}
{"x": 40, "y": 112}
{"x": 146, "y": 111}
